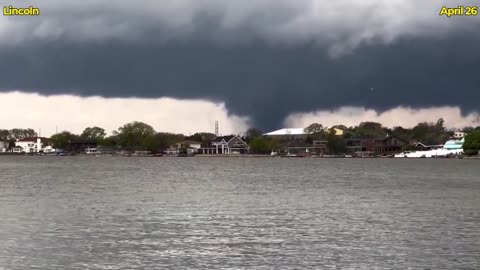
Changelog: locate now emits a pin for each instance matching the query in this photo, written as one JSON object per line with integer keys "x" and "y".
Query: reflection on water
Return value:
{"x": 212, "y": 213}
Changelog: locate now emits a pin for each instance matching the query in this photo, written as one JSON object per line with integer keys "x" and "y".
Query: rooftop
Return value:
{"x": 287, "y": 131}
{"x": 31, "y": 139}
{"x": 226, "y": 138}
{"x": 297, "y": 131}
{"x": 189, "y": 142}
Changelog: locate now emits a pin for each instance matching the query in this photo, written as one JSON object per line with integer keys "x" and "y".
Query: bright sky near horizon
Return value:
{"x": 74, "y": 114}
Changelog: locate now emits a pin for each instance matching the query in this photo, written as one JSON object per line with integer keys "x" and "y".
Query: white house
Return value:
{"x": 458, "y": 135}
{"x": 227, "y": 145}
{"x": 31, "y": 144}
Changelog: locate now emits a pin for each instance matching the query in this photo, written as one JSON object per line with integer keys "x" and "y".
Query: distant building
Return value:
{"x": 458, "y": 135}
{"x": 297, "y": 148}
{"x": 451, "y": 147}
{"x": 288, "y": 133}
{"x": 377, "y": 146}
{"x": 227, "y": 145}
{"x": 320, "y": 147}
{"x": 190, "y": 146}
{"x": 454, "y": 144}
{"x": 338, "y": 132}
{"x": 302, "y": 148}
{"x": 419, "y": 146}
{"x": 296, "y": 133}
{"x": 31, "y": 144}
{"x": 82, "y": 145}
{"x": 187, "y": 147}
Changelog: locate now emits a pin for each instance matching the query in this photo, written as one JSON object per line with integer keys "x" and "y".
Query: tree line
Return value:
{"x": 134, "y": 136}
{"x": 141, "y": 136}
{"x": 16, "y": 133}
{"x": 427, "y": 133}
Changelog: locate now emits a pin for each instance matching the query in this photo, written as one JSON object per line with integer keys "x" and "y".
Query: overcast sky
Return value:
{"x": 266, "y": 63}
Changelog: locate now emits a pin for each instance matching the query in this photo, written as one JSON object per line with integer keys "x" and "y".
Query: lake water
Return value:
{"x": 238, "y": 213}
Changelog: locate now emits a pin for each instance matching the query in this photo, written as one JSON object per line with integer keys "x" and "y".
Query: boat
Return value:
{"x": 451, "y": 147}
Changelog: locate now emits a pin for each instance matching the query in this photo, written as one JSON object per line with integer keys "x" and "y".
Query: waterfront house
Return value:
{"x": 190, "y": 147}
{"x": 189, "y": 144}
{"x": 320, "y": 147}
{"x": 296, "y": 148}
{"x": 303, "y": 148}
{"x": 451, "y": 147}
{"x": 82, "y": 145}
{"x": 375, "y": 146}
{"x": 227, "y": 145}
{"x": 419, "y": 146}
{"x": 32, "y": 144}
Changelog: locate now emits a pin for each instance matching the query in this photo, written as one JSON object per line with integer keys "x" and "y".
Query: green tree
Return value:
{"x": 18, "y": 133}
{"x": 252, "y": 133}
{"x": 431, "y": 133}
{"x": 150, "y": 143}
{"x": 110, "y": 141}
{"x": 93, "y": 133}
{"x": 260, "y": 145}
{"x": 471, "y": 146}
{"x": 4, "y": 134}
{"x": 315, "y": 131}
{"x": 314, "y": 128}
{"x": 133, "y": 134}
{"x": 467, "y": 129}
{"x": 202, "y": 137}
{"x": 166, "y": 140}
{"x": 440, "y": 125}
{"x": 335, "y": 143}
{"x": 370, "y": 130}
{"x": 62, "y": 140}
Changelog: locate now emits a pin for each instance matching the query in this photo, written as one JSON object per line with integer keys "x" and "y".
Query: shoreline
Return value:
{"x": 229, "y": 156}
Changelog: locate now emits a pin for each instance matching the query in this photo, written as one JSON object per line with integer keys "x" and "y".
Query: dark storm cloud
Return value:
{"x": 256, "y": 80}
{"x": 262, "y": 64}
